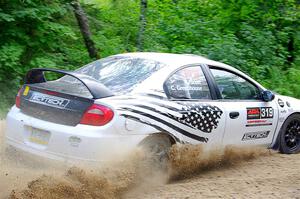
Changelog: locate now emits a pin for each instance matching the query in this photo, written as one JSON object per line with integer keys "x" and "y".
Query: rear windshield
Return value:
{"x": 121, "y": 74}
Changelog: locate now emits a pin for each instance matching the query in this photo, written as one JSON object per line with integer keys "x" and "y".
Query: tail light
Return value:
{"x": 18, "y": 99}
{"x": 97, "y": 115}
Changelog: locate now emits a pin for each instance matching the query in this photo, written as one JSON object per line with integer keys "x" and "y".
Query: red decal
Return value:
{"x": 253, "y": 111}
{"x": 256, "y": 121}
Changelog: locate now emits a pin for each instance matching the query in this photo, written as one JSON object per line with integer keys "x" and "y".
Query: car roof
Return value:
{"x": 176, "y": 60}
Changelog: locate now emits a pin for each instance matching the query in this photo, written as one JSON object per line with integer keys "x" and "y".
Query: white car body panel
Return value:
{"x": 94, "y": 144}
{"x": 145, "y": 111}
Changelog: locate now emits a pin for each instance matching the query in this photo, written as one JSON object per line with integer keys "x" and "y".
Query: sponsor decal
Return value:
{"x": 253, "y": 113}
{"x": 256, "y": 121}
{"x": 283, "y": 111}
{"x": 251, "y": 123}
{"x": 259, "y": 124}
{"x": 57, "y": 102}
{"x": 26, "y": 90}
{"x": 281, "y": 103}
{"x": 288, "y": 104}
{"x": 255, "y": 135}
{"x": 259, "y": 113}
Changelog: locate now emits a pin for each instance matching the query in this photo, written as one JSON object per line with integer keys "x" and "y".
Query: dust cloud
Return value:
{"x": 189, "y": 160}
{"x": 23, "y": 176}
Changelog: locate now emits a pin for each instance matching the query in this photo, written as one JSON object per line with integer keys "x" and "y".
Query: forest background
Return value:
{"x": 259, "y": 37}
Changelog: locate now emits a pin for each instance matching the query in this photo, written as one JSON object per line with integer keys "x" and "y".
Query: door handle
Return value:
{"x": 234, "y": 115}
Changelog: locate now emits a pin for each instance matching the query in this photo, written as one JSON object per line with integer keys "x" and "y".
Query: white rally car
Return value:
{"x": 148, "y": 99}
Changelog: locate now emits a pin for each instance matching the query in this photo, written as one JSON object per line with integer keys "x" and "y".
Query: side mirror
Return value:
{"x": 267, "y": 96}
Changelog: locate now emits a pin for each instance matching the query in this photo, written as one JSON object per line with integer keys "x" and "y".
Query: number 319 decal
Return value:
{"x": 266, "y": 112}
{"x": 259, "y": 113}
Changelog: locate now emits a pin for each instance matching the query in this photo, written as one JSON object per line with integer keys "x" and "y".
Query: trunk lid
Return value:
{"x": 61, "y": 101}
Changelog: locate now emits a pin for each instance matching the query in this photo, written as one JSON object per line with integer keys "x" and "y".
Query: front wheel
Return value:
{"x": 289, "y": 139}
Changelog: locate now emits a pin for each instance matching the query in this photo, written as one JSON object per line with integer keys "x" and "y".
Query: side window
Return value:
{"x": 187, "y": 83}
{"x": 233, "y": 86}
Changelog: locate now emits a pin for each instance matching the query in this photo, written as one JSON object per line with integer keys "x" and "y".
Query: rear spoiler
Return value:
{"x": 97, "y": 90}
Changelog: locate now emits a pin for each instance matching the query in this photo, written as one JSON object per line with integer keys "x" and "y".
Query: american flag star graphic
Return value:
{"x": 202, "y": 117}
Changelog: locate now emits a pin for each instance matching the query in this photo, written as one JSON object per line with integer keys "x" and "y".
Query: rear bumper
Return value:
{"x": 68, "y": 143}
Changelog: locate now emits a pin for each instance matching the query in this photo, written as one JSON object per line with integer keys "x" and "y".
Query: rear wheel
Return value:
{"x": 157, "y": 149}
{"x": 289, "y": 139}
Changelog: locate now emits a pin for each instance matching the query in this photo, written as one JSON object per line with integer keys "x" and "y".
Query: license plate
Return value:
{"x": 39, "y": 136}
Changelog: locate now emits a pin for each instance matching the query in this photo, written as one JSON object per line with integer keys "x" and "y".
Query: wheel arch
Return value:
{"x": 171, "y": 137}
{"x": 276, "y": 145}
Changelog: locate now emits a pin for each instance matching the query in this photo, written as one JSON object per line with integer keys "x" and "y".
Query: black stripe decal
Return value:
{"x": 164, "y": 105}
{"x": 190, "y": 135}
{"x": 266, "y": 124}
{"x": 164, "y": 114}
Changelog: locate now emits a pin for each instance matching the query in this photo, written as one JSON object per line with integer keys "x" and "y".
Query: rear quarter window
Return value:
{"x": 121, "y": 74}
{"x": 187, "y": 83}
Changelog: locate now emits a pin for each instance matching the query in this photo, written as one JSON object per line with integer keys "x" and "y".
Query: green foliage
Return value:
{"x": 35, "y": 34}
{"x": 261, "y": 38}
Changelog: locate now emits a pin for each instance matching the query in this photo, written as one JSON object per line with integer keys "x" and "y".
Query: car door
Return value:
{"x": 249, "y": 119}
{"x": 200, "y": 114}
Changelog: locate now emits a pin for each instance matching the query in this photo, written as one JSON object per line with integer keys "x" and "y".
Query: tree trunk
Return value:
{"x": 290, "y": 48}
{"x": 85, "y": 29}
{"x": 143, "y": 23}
